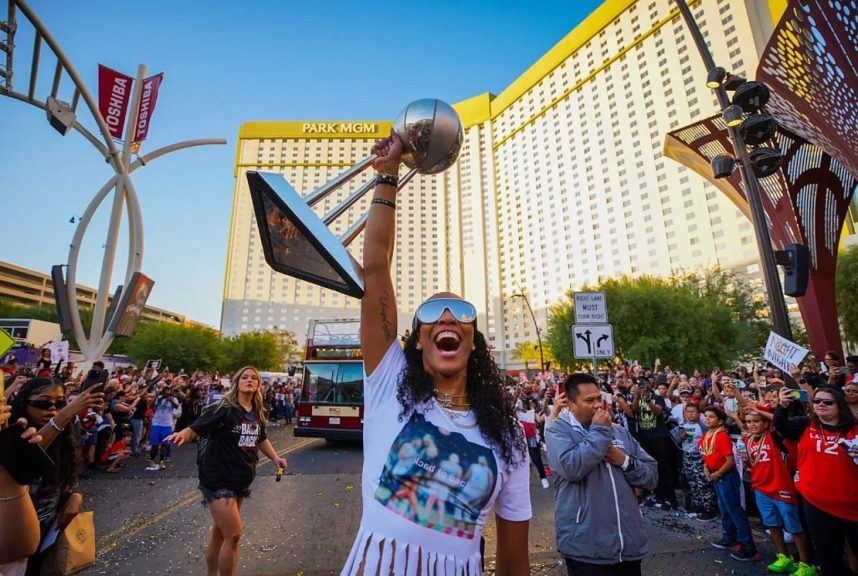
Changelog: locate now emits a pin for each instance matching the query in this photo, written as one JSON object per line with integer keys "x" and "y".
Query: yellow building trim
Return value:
{"x": 589, "y": 76}
{"x": 776, "y": 10}
{"x": 475, "y": 110}
{"x": 358, "y": 129}
{"x": 295, "y": 164}
{"x": 578, "y": 37}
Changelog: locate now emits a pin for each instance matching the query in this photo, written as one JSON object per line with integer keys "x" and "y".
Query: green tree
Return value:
{"x": 847, "y": 292}
{"x": 527, "y": 352}
{"x": 48, "y": 313}
{"x": 265, "y": 350}
{"x": 689, "y": 321}
{"x": 178, "y": 346}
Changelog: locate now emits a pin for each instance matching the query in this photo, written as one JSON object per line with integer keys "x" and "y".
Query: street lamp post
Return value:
{"x": 523, "y": 296}
{"x": 777, "y": 304}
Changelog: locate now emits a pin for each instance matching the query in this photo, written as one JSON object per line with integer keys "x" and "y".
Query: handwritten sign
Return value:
{"x": 782, "y": 352}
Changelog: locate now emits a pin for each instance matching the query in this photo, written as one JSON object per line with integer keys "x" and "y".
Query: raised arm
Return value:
{"x": 378, "y": 306}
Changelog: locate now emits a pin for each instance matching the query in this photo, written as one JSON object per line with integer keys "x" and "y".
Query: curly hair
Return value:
{"x": 65, "y": 450}
{"x": 485, "y": 389}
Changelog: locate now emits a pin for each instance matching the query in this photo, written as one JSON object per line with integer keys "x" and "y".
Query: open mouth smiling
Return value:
{"x": 447, "y": 343}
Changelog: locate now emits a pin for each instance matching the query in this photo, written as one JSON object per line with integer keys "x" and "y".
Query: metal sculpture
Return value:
{"x": 63, "y": 116}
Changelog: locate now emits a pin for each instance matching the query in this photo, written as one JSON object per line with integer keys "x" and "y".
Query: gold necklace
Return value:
{"x": 707, "y": 446}
{"x": 834, "y": 441}
{"x": 451, "y": 400}
{"x": 754, "y": 447}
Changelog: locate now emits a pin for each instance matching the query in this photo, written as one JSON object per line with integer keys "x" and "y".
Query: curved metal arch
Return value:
{"x": 125, "y": 194}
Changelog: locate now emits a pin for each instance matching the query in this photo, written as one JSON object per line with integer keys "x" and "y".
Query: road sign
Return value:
{"x": 593, "y": 341}
{"x": 591, "y": 308}
{"x": 6, "y": 342}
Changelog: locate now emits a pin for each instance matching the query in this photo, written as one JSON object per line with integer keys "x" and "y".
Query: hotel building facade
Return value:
{"x": 561, "y": 180}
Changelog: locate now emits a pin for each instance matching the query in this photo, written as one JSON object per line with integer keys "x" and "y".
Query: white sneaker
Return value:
{"x": 152, "y": 468}
{"x": 545, "y": 483}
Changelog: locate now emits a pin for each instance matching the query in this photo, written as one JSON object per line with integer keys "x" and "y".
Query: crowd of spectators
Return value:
{"x": 98, "y": 421}
{"x": 101, "y": 419}
{"x": 707, "y": 431}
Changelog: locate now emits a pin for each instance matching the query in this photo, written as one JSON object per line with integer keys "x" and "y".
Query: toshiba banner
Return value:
{"x": 114, "y": 94}
{"x": 147, "y": 106}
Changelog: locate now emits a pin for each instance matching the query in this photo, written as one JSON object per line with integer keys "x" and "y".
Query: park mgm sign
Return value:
{"x": 299, "y": 130}
{"x": 339, "y": 128}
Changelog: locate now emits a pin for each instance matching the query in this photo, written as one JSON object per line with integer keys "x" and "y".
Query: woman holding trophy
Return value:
{"x": 442, "y": 446}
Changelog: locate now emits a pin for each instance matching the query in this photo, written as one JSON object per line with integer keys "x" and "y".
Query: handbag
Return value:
{"x": 74, "y": 549}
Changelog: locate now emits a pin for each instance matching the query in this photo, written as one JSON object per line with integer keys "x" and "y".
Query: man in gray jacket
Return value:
{"x": 597, "y": 466}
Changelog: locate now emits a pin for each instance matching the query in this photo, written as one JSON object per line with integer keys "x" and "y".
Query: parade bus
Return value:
{"x": 331, "y": 402}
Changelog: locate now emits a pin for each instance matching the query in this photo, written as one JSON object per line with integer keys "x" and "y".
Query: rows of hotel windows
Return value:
{"x": 532, "y": 203}
{"x": 579, "y": 184}
{"x": 416, "y": 265}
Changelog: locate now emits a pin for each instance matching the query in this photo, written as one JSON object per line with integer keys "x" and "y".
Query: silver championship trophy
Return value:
{"x": 296, "y": 242}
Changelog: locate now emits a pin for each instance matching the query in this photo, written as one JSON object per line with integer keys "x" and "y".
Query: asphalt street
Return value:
{"x": 154, "y": 522}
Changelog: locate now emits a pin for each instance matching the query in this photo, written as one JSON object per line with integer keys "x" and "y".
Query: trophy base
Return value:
{"x": 296, "y": 242}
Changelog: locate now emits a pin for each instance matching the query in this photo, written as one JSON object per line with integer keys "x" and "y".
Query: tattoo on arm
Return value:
{"x": 386, "y": 324}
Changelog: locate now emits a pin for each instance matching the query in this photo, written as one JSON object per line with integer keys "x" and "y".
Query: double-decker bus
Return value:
{"x": 331, "y": 402}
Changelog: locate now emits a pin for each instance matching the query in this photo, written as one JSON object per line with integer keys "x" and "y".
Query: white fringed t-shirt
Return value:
{"x": 429, "y": 481}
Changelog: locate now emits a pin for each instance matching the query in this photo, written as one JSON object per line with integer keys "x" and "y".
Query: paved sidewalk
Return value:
{"x": 680, "y": 547}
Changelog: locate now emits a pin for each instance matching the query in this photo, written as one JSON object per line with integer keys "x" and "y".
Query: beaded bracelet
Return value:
{"x": 386, "y": 179}
{"x": 384, "y": 202}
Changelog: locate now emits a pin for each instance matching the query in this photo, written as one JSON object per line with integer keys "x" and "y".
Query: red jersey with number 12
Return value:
{"x": 827, "y": 476}
{"x": 769, "y": 472}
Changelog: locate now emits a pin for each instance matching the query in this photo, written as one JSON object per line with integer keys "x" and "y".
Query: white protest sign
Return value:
{"x": 59, "y": 351}
{"x": 782, "y": 352}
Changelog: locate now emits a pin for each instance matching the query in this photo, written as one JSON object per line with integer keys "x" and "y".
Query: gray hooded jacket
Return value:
{"x": 596, "y": 512}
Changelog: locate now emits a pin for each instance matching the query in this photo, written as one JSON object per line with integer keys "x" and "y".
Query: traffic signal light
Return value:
{"x": 796, "y": 263}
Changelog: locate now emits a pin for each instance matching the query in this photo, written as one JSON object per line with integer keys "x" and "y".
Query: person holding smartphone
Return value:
{"x": 42, "y": 402}
{"x": 827, "y": 472}
{"x": 19, "y": 525}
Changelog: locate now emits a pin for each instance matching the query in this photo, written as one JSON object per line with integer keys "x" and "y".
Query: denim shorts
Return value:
{"x": 774, "y": 513}
{"x": 210, "y": 496}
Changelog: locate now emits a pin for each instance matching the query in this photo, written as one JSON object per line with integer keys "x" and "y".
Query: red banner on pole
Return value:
{"x": 114, "y": 94}
{"x": 147, "y": 106}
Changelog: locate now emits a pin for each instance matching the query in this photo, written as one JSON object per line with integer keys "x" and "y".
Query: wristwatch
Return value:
{"x": 630, "y": 464}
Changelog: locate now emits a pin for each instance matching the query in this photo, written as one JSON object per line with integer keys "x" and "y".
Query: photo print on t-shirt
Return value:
{"x": 437, "y": 478}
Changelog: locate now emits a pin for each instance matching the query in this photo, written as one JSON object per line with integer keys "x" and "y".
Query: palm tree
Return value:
{"x": 526, "y": 352}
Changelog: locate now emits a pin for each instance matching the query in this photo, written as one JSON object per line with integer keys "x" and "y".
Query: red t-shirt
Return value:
{"x": 715, "y": 450}
{"x": 769, "y": 473}
{"x": 118, "y": 446}
{"x": 827, "y": 476}
{"x": 792, "y": 456}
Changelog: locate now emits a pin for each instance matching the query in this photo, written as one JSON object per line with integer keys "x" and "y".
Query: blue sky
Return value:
{"x": 226, "y": 63}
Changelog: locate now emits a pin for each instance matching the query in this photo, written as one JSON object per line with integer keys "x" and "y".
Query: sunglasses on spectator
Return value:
{"x": 431, "y": 311}
{"x": 46, "y": 404}
{"x": 824, "y": 402}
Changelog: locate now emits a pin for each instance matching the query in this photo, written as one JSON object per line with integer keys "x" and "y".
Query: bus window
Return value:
{"x": 350, "y": 383}
{"x": 319, "y": 382}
